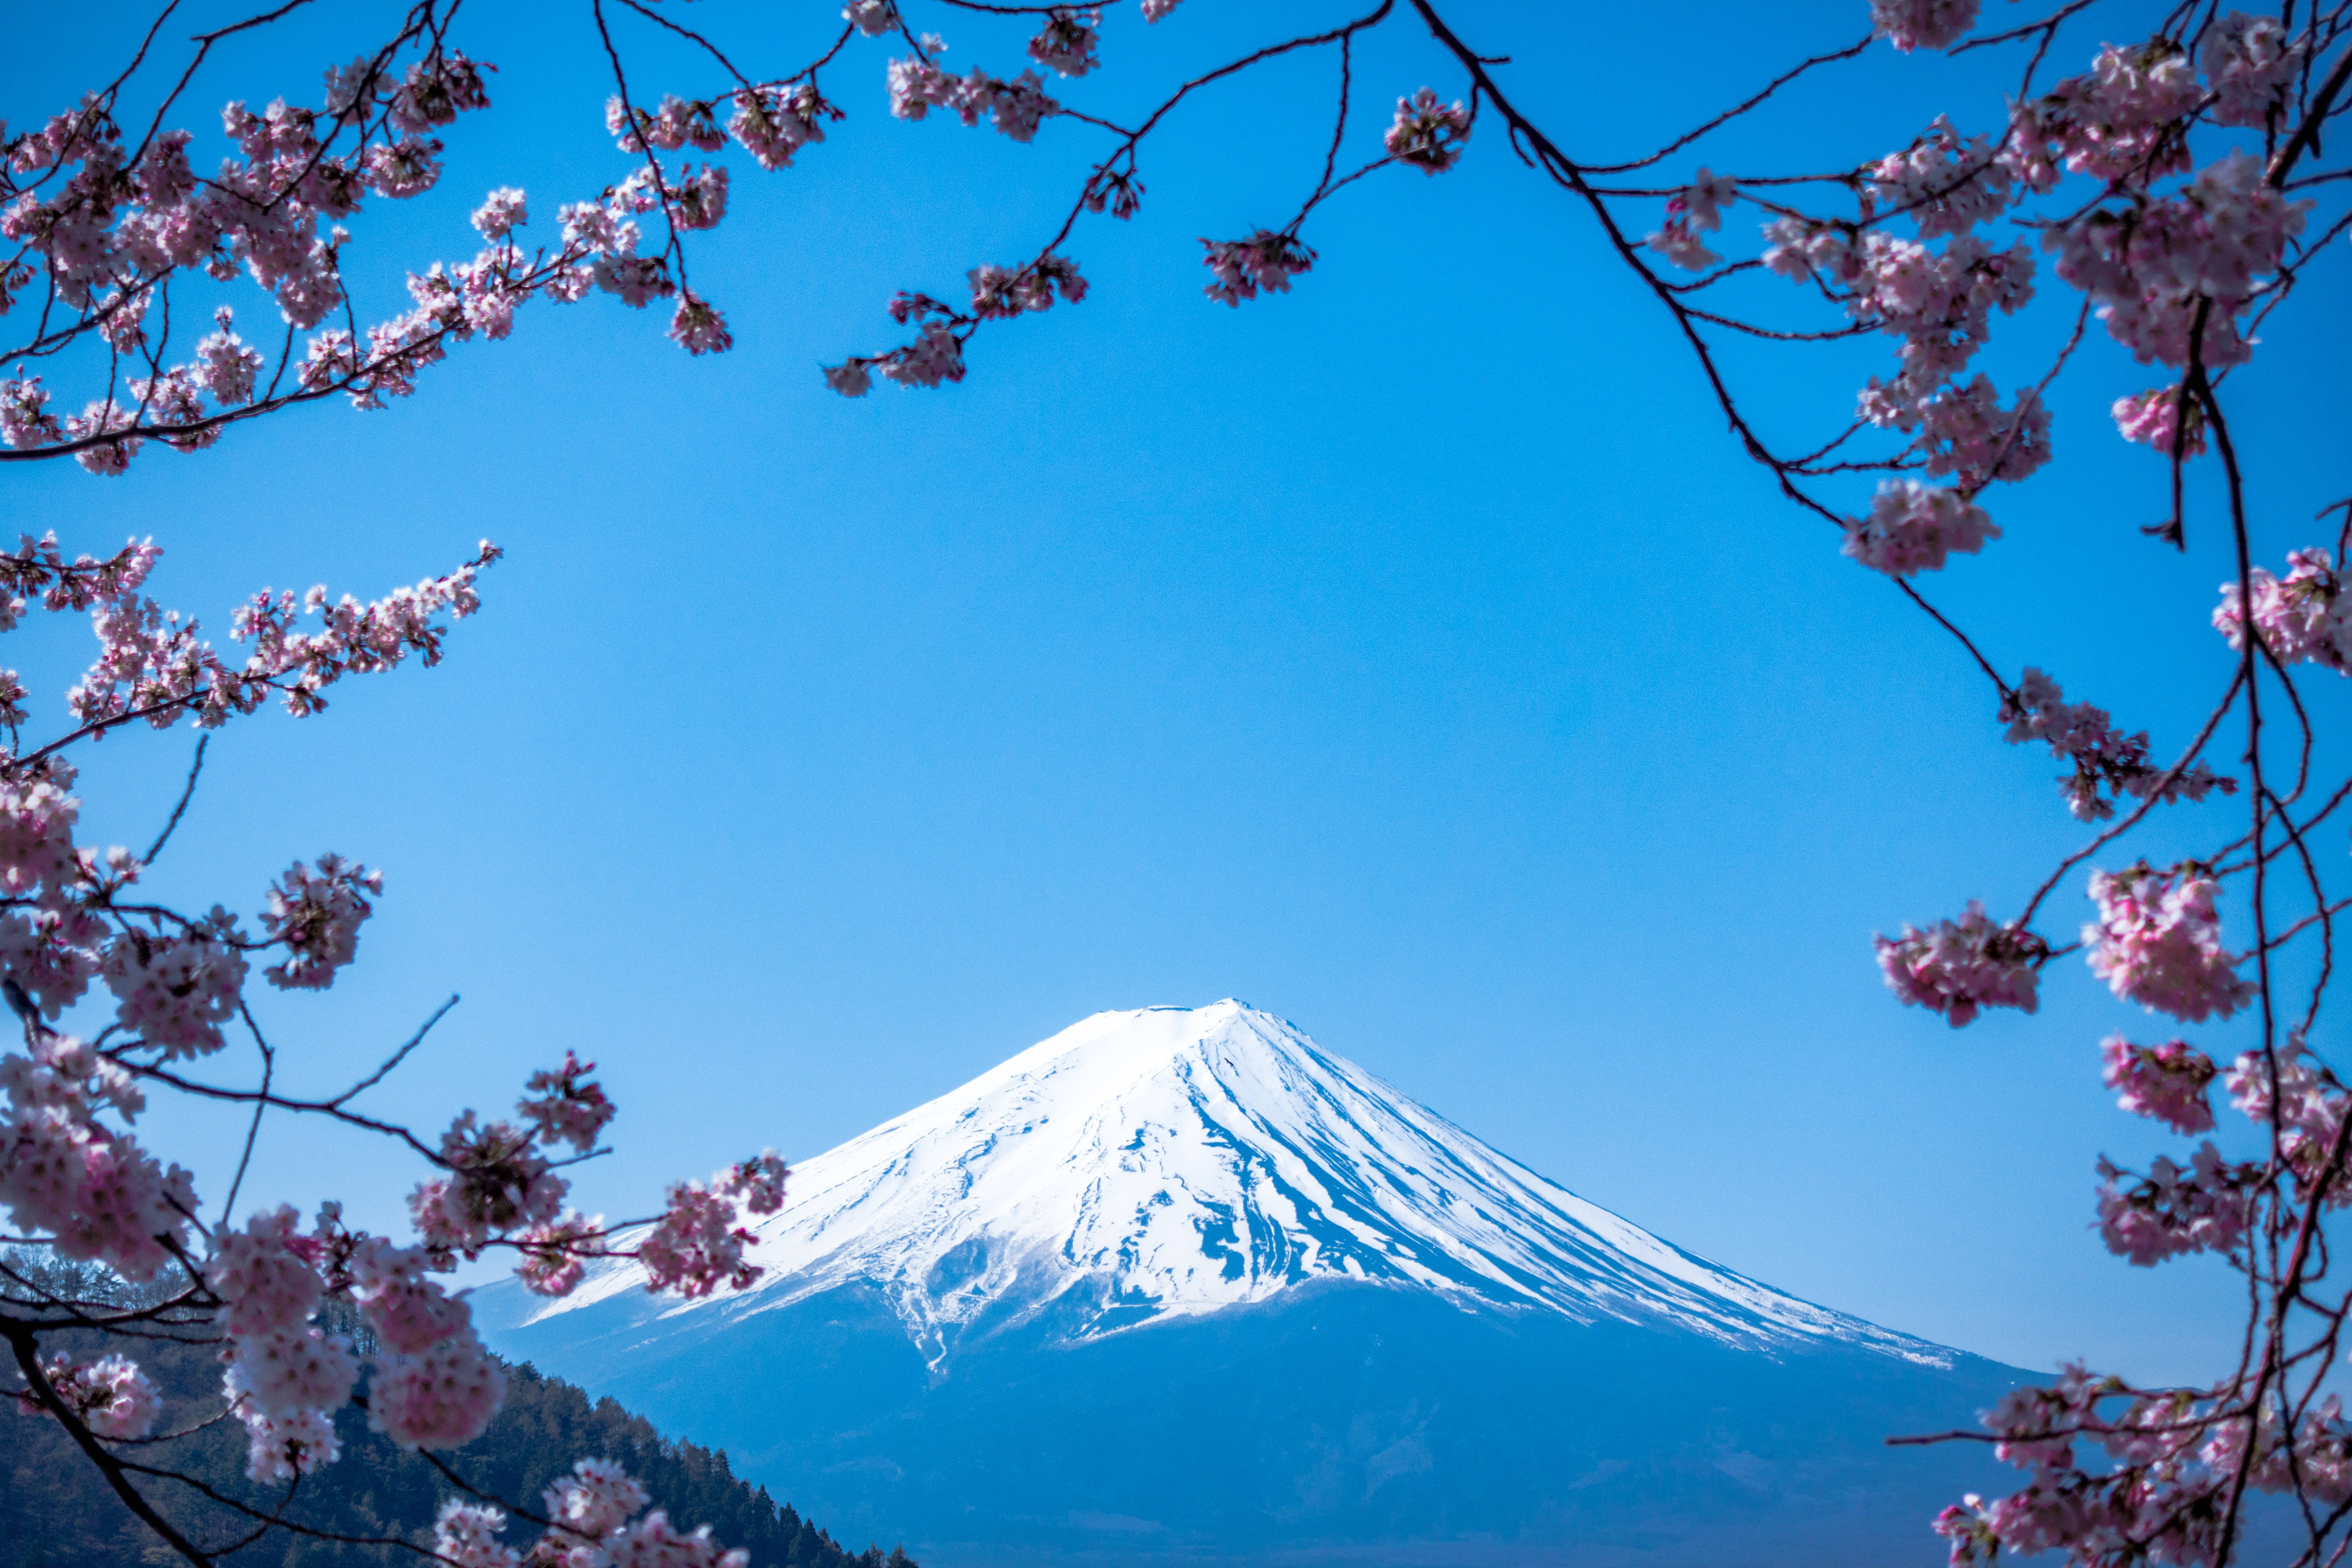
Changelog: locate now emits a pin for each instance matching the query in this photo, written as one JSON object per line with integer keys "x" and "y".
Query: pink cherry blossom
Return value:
{"x": 1923, "y": 24}
{"x": 285, "y": 1371}
{"x": 1428, "y": 134}
{"x": 2203, "y": 1206}
{"x": 2152, "y": 419}
{"x": 2157, "y": 942}
{"x": 554, "y": 1255}
{"x": 503, "y": 210}
{"x": 496, "y": 1183}
{"x": 97, "y": 1194}
{"x": 651, "y": 1543}
{"x": 2309, "y": 1118}
{"x": 48, "y": 952}
{"x": 280, "y": 1447}
{"x": 1913, "y": 527}
{"x": 1016, "y": 107}
{"x": 438, "y": 1399}
{"x": 774, "y": 125}
{"x": 1065, "y": 45}
{"x": 465, "y": 1535}
{"x": 2164, "y": 1082}
{"x": 934, "y": 357}
{"x": 2036, "y": 1425}
{"x": 998, "y": 294}
{"x": 563, "y": 1108}
{"x": 595, "y": 1499}
{"x": 410, "y": 1312}
{"x": 2303, "y": 615}
{"x": 2250, "y": 63}
{"x": 698, "y": 1246}
{"x": 698, "y": 327}
{"x": 2103, "y": 757}
{"x": 2118, "y": 124}
{"x": 227, "y": 365}
{"x": 1965, "y": 433}
{"x": 109, "y": 1396}
{"x": 316, "y": 916}
{"x": 176, "y": 992}
{"x": 2151, "y": 268}
{"x": 1694, "y": 210}
{"x": 1959, "y": 967}
{"x": 1945, "y": 183}
{"x": 871, "y": 17}
{"x": 759, "y": 1181}
{"x": 37, "y": 822}
{"x": 261, "y": 1274}
{"x": 1265, "y": 260}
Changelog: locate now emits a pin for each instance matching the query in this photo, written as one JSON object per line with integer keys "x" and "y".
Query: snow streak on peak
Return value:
{"x": 1173, "y": 1162}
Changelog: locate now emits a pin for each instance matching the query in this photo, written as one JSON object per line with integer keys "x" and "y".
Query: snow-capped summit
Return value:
{"x": 1173, "y": 1162}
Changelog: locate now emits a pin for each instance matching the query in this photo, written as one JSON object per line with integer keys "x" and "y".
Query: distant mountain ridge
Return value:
{"x": 1180, "y": 1284}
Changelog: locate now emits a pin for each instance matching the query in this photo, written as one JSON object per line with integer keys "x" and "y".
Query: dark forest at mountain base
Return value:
{"x": 57, "y": 1512}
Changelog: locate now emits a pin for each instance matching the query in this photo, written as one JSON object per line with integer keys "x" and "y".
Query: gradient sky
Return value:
{"x": 1412, "y": 655}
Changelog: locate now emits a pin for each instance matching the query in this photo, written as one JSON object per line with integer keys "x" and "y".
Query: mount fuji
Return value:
{"x": 1179, "y": 1285}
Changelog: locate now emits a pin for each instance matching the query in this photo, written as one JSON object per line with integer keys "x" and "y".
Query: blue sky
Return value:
{"x": 1412, "y": 655}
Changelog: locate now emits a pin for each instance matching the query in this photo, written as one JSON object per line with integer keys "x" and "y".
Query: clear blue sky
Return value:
{"x": 1412, "y": 655}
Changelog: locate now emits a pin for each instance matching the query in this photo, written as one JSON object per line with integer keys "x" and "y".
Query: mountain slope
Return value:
{"x": 1178, "y": 1284}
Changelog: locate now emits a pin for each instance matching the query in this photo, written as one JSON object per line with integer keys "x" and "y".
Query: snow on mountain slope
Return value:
{"x": 1174, "y": 1162}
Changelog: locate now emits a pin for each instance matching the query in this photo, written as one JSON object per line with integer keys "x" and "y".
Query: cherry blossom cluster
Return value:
{"x": 2167, "y": 1083}
{"x": 2155, "y": 268}
{"x": 1960, "y": 967}
{"x": 2206, "y": 1206}
{"x": 592, "y": 1524}
{"x": 773, "y": 125}
{"x": 2301, "y": 616}
{"x": 2104, "y": 759}
{"x": 2120, "y": 123}
{"x": 110, "y": 226}
{"x": 2158, "y": 417}
{"x": 317, "y": 917}
{"x": 1939, "y": 303}
{"x": 936, "y": 355}
{"x": 1944, "y": 182}
{"x": 2293, "y": 1093}
{"x": 64, "y": 1174}
{"x": 109, "y": 1396}
{"x": 1017, "y": 106}
{"x": 1695, "y": 210}
{"x": 2157, "y": 1499}
{"x": 1965, "y": 433}
{"x": 1067, "y": 43}
{"x": 152, "y": 665}
{"x": 1913, "y": 527}
{"x": 1266, "y": 261}
{"x": 2251, "y": 63}
{"x": 2173, "y": 1458}
{"x": 1923, "y": 24}
{"x": 2157, "y": 942}
{"x": 1428, "y": 134}
{"x": 699, "y": 1243}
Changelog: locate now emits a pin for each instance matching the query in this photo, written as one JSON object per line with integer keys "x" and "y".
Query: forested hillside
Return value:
{"x": 57, "y": 1512}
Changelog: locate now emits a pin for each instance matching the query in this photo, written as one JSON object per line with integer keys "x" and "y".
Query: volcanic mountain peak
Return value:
{"x": 1173, "y": 1162}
